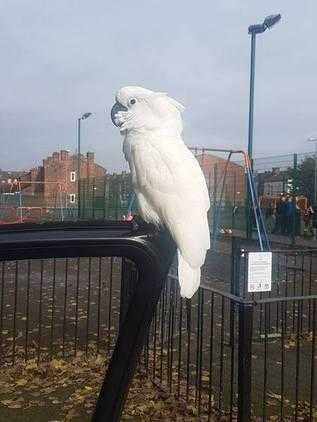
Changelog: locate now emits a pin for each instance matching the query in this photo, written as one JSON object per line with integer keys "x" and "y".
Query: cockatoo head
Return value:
{"x": 140, "y": 109}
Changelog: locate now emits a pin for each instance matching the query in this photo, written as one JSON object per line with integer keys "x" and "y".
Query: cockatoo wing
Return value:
{"x": 170, "y": 178}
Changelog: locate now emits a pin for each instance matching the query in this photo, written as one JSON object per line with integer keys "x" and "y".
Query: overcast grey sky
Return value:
{"x": 62, "y": 58}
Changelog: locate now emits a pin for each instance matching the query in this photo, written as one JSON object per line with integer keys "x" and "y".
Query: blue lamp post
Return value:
{"x": 83, "y": 117}
{"x": 253, "y": 31}
{"x": 268, "y": 23}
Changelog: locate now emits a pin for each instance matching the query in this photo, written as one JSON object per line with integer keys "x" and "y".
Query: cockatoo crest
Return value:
{"x": 143, "y": 109}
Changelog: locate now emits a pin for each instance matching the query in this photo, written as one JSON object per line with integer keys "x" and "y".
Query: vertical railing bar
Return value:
{"x": 310, "y": 288}
{"x": 154, "y": 342}
{"x": 2, "y": 302}
{"x": 65, "y": 307}
{"x": 313, "y": 364}
{"x": 232, "y": 367}
{"x": 261, "y": 315}
{"x": 77, "y": 306}
{"x": 15, "y": 310}
{"x": 297, "y": 358}
{"x": 188, "y": 312}
{"x": 162, "y": 330}
{"x": 220, "y": 403}
{"x": 201, "y": 304}
{"x": 294, "y": 291}
{"x": 198, "y": 345}
{"x": 211, "y": 352}
{"x": 110, "y": 303}
{"x": 283, "y": 313}
{"x": 88, "y": 305}
{"x": 27, "y": 310}
{"x": 169, "y": 337}
{"x": 40, "y": 313}
{"x": 99, "y": 303}
{"x": 53, "y": 307}
{"x": 265, "y": 367}
{"x": 302, "y": 291}
{"x": 278, "y": 291}
{"x": 180, "y": 323}
{"x": 174, "y": 306}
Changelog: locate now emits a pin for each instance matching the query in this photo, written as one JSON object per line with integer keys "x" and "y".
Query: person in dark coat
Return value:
{"x": 289, "y": 212}
{"x": 280, "y": 223}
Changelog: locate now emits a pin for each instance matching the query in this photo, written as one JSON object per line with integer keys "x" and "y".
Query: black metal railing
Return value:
{"x": 211, "y": 351}
{"x": 152, "y": 256}
{"x": 227, "y": 355}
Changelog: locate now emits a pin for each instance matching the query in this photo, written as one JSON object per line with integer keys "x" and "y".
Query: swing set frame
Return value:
{"x": 254, "y": 203}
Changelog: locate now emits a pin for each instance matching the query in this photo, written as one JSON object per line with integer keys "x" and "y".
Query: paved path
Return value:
{"x": 285, "y": 240}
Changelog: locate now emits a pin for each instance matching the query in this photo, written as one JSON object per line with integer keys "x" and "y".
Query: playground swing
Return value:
{"x": 262, "y": 235}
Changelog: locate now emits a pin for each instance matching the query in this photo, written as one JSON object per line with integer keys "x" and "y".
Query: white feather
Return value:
{"x": 167, "y": 179}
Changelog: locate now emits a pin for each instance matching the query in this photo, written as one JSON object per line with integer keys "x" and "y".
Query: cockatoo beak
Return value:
{"x": 114, "y": 111}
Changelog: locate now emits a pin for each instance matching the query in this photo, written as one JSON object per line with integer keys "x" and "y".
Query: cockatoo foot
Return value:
{"x": 152, "y": 231}
{"x": 138, "y": 223}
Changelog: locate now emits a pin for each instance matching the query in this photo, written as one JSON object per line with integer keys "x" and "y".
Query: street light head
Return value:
{"x": 312, "y": 139}
{"x": 257, "y": 29}
{"x": 85, "y": 116}
{"x": 271, "y": 20}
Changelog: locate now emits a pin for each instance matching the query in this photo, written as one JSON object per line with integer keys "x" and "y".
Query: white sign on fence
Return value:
{"x": 259, "y": 271}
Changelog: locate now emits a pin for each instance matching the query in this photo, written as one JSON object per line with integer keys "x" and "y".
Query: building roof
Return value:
{"x": 209, "y": 161}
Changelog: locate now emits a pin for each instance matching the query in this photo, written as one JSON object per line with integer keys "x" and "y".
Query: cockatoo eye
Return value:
{"x": 132, "y": 101}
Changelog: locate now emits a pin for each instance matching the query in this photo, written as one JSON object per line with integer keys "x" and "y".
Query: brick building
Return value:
{"x": 213, "y": 168}
{"x": 55, "y": 183}
{"x": 272, "y": 183}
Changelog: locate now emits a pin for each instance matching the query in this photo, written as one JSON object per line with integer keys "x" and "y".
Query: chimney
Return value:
{"x": 55, "y": 156}
{"x": 275, "y": 171}
{"x": 90, "y": 156}
{"x": 64, "y": 155}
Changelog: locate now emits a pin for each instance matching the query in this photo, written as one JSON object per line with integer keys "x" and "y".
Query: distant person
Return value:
{"x": 280, "y": 222}
{"x": 269, "y": 217}
{"x": 308, "y": 219}
{"x": 289, "y": 212}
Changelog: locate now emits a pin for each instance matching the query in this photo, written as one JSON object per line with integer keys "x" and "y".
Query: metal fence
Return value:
{"x": 54, "y": 307}
{"x": 108, "y": 197}
{"x": 226, "y": 353}
{"x": 216, "y": 349}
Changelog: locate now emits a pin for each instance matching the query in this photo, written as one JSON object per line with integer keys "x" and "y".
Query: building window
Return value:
{"x": 73, "y": 176}
{"x": 72, "y": 198}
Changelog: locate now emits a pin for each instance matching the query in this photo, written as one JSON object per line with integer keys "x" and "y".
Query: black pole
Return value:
{"x": 78, "y": 167}
{"x": 244, "y": 361}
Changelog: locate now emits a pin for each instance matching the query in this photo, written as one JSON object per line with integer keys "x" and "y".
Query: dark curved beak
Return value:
{"x": 115, "y": 109}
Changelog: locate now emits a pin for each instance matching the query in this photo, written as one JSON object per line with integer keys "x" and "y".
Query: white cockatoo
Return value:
{"x": 168, "y": 182}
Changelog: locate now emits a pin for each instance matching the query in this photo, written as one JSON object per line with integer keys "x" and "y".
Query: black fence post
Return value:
{"x": 244, "y": 361}
{"x": 234, "y": 283}
{"x": 294, "y": 193}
